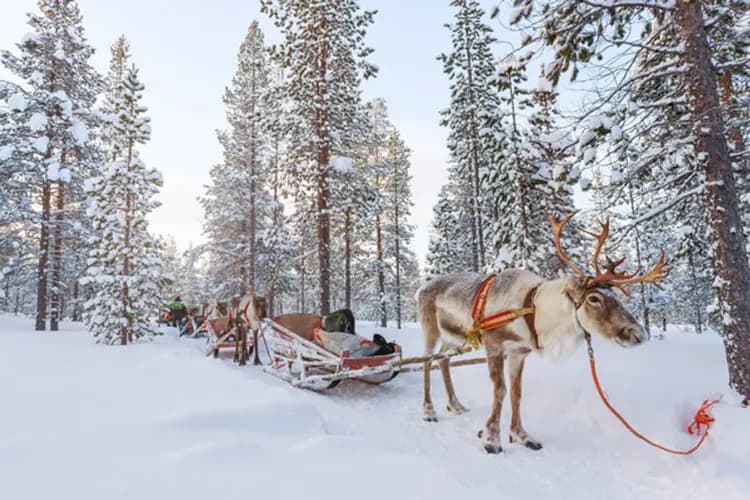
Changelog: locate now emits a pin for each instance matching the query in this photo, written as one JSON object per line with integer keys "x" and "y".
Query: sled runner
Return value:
{"x": 295, "y": 344}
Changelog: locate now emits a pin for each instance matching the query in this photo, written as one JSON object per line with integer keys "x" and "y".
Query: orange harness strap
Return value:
{"x": 482, "y": 324}
{"x": 702, "y": 417}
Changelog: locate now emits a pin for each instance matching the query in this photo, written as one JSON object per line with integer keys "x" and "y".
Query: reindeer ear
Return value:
{"x": 574, "y": 286}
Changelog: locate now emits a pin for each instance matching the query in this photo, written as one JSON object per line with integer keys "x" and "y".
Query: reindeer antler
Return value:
{"x": 601, "y": 239}
{"x": 557, "y": 227}
{"x": 610, "y": 275}
{"x": 653, "y": 276}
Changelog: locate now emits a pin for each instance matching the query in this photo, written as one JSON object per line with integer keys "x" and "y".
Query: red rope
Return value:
{"x": 701, "y": 418}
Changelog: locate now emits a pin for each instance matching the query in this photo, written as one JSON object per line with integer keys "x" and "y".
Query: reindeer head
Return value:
{"x": 598, "y": 307}
{"x": 251, "y": 308}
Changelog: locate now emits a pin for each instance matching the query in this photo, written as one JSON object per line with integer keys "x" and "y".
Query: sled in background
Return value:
{"x": 296, "y": 357}
{"x": 196, "y": 327}
{"x": 224, "y": 335}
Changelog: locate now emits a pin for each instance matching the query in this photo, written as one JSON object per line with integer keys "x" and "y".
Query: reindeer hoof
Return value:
{"x": 493, "y": 449}
{"x": 456, "y": 408}
{"x": 429, "y": 414}
{"x": 533, "y": 445}
{"x": 528, "y": 443}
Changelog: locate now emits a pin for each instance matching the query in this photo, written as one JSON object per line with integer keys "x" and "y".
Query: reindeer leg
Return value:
{"x": 517, "y": 433}
{"x": 431, "y": 336}
{"x": 454, "y": 405}
{"x": 490, "y": 436}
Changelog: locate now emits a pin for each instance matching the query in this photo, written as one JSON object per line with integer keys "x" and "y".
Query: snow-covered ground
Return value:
{"x": 161, "y": 421}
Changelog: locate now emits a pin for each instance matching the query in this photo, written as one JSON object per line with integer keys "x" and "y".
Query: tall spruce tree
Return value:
{"x": 125, "y": 266}
{"x": 242, "y": 204}
{"x": 399, "y": 232}
{"x": 325, "y": 59}
{"x": 474, "y": 102}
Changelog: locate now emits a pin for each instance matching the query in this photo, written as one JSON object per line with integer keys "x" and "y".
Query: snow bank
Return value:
{"x": 161, "y": 421}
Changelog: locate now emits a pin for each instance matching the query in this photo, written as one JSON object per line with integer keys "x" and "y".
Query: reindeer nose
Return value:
{"x": 634, "y": 335}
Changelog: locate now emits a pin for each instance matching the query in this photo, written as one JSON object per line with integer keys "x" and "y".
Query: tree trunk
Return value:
{"x": 696, "y": 303}
{"x": 253, "y": 186}
{"x": 722, "y": 203}
{"x": 727, "y": 98}
{"x": 324, "y": 232}
{"x": 276, "y": 217}
{"x": 242, "y": 263}
{"x": 76, "y": 305}
{"x": 396, "y": 217}
{"x": 644, "y": 300}
{"x": 302, "y": 289}
{"x": 381, "y": 271}
{"x": 126, "y": 332}
{"x": 324, "y": 188}
{"x": 478, "y": 260}
{"x": 41, "y": 272}
{"x": 55, "y": 303}
{"x": 348, "y": 259}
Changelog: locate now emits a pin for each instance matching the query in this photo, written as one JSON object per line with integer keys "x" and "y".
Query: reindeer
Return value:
{"x": 549, "y": 317}
{"x": 246, "y": 312}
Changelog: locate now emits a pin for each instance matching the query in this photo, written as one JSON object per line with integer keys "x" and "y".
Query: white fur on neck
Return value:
{"x": 555, "y": 321}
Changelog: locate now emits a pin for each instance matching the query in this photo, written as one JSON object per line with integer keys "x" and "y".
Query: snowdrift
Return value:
{"x": 160, "y": 421}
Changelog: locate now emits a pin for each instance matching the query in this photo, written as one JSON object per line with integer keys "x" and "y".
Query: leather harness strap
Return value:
{"x": 528, "y": 303}
{"x": 482, "y": 324}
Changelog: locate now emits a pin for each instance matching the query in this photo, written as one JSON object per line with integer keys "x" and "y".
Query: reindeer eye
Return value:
{"x": 594, "y": 299}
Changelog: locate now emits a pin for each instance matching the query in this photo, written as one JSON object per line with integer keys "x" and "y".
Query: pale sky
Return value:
{"x": 186, "y": 51}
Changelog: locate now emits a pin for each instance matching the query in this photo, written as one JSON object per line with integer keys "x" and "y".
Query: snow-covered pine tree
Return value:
{"x": 240, "y": 210}
{"x": 16, "y": 249}
{"x": 113, "y": 141}
{"x": 474, "y": 103}
{"x": 377, "y": 173}
{"x": 447, "y": 252}
{"x": 533, "y": 172}
{"x": 125, "y": 266}
{"x": 356, "y": 201}
{"x": 404, "y": 277}
{"x": 546, "y": 179}
{"x": 60, "y": 87}
{"x": 274, "y": 118}
{"x": 581, "y": 32}
{"x": 324, "y": 56}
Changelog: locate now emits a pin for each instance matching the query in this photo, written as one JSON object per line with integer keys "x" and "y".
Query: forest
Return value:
{"x": 313, "y": 194}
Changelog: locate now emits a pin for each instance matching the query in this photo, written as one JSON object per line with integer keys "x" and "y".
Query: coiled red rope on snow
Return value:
{"x": 701, "y": 419}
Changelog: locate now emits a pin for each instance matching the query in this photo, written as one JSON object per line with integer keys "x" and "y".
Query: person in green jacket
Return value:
{"x": 178, "y": 310}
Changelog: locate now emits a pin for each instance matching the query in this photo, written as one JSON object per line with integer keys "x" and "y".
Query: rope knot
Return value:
{"x": 702, "y": 418}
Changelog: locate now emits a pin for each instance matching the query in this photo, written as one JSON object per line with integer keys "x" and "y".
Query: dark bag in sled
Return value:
{"x": 339, "y": 321}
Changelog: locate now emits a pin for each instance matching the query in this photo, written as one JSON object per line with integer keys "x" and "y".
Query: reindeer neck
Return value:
{"x": 555, "y": 321}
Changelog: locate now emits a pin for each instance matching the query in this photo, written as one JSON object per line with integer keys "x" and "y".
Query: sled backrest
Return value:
{"x": 302, "y": 324}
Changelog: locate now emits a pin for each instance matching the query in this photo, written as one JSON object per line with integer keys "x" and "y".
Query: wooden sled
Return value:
{"x": 298, "y": 359}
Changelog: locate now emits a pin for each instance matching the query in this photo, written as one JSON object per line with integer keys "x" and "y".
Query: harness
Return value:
{"x": 483, "y": 324}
